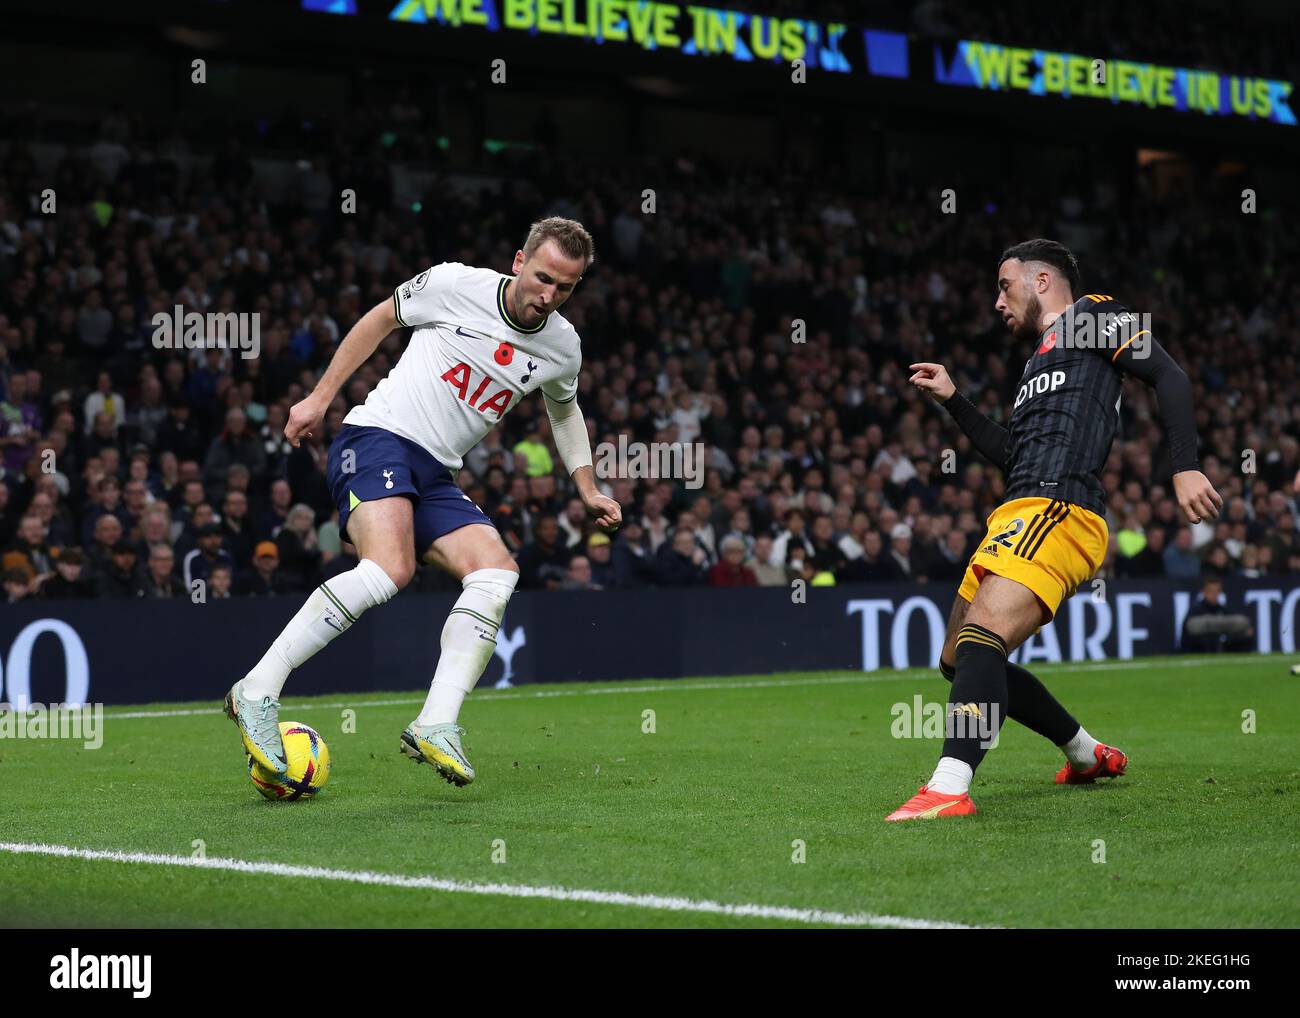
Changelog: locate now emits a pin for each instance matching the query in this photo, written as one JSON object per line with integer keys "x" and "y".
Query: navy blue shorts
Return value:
{"x": 383, "y": 465}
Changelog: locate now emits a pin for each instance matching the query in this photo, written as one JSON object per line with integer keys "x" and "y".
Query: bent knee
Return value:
{"x": 400, "y": 569}
{"x": 504, "y": 560}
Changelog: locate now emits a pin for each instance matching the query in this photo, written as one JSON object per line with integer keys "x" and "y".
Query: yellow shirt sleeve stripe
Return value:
{"x": 1126, "y": 343}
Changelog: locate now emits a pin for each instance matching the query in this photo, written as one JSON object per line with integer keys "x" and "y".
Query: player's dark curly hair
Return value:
{"x": 1053, "y": 252}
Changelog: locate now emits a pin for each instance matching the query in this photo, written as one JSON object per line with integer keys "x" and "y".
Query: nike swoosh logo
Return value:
{"x": 468, "y": 335}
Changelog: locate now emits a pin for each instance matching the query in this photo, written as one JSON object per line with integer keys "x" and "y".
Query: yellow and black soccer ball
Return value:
{"x": 309, "y": 765}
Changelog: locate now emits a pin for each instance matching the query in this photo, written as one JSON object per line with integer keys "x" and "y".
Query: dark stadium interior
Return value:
{"x": 771, "y": 207}
{"x": 930, "y": 559}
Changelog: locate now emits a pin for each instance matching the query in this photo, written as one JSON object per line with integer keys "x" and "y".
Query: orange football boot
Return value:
{"x": 928, "y": 805}
{"x": 1111, "y": 763}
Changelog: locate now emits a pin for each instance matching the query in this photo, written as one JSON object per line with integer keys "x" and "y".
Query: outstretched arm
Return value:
{"x": 989, "y": 437}
{"x": 361, "y": 341}
{"x": 1149, "y": 362}
{"x": 569, "y": 429}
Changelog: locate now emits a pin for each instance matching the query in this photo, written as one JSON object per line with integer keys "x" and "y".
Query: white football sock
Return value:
{"x": 330, "y": 610}
{"x": 1080, "y": 750}
{"x": 469, "y": 639}
{"x": 951, "y": 777}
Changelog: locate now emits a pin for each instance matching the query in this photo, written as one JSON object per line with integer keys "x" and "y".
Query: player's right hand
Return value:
{"x": 1196, "y": 496}
{"x": 933, "y": 379}
{"x": 305, "y": 415}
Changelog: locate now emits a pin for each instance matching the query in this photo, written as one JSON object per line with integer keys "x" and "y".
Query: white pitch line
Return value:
{"x": 492, "y": 695}
{"x": 684, "y": 686}
{"x": 662, "y": 903}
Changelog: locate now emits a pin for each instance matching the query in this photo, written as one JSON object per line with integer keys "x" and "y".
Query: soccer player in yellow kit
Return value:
{"x": 1050, "y": 534}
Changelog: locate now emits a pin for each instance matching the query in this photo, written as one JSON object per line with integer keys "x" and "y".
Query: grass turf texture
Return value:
{"x": 1204, "y": 831}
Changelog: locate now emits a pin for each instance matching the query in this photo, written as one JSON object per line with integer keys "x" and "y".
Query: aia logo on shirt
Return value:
{"x": 460, "y": 378}
{"x": 1049, "y": 343}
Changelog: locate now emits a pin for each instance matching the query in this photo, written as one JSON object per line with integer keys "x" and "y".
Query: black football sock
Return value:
{"x": 977, "y": 704}
{"x": 1033, "y": 705}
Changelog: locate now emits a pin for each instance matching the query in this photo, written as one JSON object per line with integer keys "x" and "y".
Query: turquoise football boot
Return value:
{"x": 259, "y": 727}
{"x": 439, "y": 745}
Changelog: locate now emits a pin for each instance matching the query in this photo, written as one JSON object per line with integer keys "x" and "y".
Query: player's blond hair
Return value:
{"x": 569, "y": 235}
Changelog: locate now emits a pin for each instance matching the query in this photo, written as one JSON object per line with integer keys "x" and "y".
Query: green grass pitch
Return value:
{"x": 572, "y": 793}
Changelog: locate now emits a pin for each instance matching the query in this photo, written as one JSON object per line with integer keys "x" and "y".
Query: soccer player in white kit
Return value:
{"x": 482, "y": 342}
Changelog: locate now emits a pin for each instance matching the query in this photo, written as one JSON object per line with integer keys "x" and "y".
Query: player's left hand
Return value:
{"x": 1196, "y": 496}
{"x": 607, "y": 513}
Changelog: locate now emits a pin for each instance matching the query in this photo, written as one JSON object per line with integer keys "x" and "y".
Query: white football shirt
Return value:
{"x": 467, "y": 364}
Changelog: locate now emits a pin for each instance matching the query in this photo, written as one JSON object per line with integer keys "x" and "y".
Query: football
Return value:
{"x": 309, "y": 765}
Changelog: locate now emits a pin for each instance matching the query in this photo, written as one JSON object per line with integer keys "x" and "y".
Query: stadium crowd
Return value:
{"x": 764, "y": 314}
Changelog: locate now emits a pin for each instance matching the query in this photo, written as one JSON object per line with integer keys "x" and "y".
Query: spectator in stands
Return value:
{"x": 17, "y": 586}
{"x": 1149, "y": 561}
{"x": 654, "y": 524}
{"x": 766, "y": 573}
{"x": 206, "y": 555}
{"x": 300, "y": 558}
{"x": 20, "y": 425}
{"x": 235, "y": 527}
{"x": 135, "y": 499}
{"x": 949, "y": 566}
{"x": 827, "y": 555}
{"x": 1211, "y": 627}
{"x": 235, "y": 444}
{"x": 537, "y": 457}
{"x": 633, "y": 563}
{"x": 239, "y": 479}
{"x": 705, "y": 534}
{"x": 688, "y": 522}
{"x": 107, "y": 502}
{"x": 69, "y": 580}
{"x": 149, "y": 416}
{"x": 578, "y": 576}
{"x": 94, "y": 323}
{"x": 600, "y": 559}
{"x": 273, "y": 517}
{"x": 158, "y": 579}
{"x": 220, "y": 582}
{"x": 573, "y": 523}
{"x": 793, "y": 542}
{"x": 178, "y": 434}
{"x": 681, "y": 562}
{"x": 877, "y": 565}
{"x": 264, "y": 580}
{"x": 118, "y": 579}
{"x": 544, "y": 562}
{"x": 900, "y": 550}
{"x": 29, "y": 553}
{"x": 271, "y": 434}
{"x": 1217, "y": 560}
{"x": 46, "y": 505}
{"x": 730, "y": 570}
{"x": 107, "y": 534}
{"x": 104, "y": 401}
{"x": 155, "y": 529}
{"x": 9, "y": 515}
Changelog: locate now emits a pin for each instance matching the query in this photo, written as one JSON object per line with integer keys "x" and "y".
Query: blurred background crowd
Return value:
{"x": 767, "y": 311}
